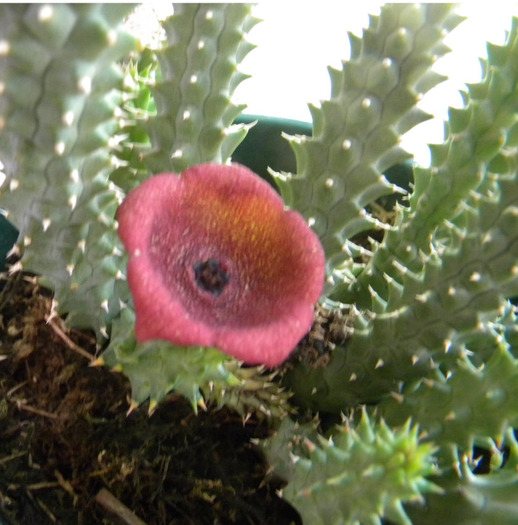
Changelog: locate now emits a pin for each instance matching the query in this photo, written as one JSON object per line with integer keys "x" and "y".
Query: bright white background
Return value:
{"x": 297, "y": 40}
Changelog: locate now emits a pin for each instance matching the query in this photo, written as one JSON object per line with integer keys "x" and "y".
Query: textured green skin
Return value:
{"x": 165, "y": 82}
{"x": 60, "y": 92}
{"x": 157, "y": 367}
{"x": 469, "y": 499}
{"x": 436, "y": 340}
{"x": 436, "y": 330}
{"x": 198, "y": 76}
{"x": 361, "y": 474}
{"x": 78, "y": 253}
{"x": 432, "y": 284}
{"x": 373, "y": 101}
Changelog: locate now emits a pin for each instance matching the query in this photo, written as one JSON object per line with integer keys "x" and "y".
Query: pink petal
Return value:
{"x": 274, "y": 261}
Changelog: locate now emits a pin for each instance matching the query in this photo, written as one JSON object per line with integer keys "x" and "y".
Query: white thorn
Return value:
{"x": 45, "y": 13}
{"x": 4, "y": 47}
{"x": 74, "y": 175}
{"x": 59, "y": 148}
{"x": 422, "y": 297}
{"x": 45, "y": 223}
{"x": 346, "y": 144}
{"x": 85, "y": 85}
{"x": 111, "y": 37}
{"x": 68, "y": 118}
{"x": 379, "y": 364}
{"x": 72, "y": 202}
{"x": 13, "y": 184}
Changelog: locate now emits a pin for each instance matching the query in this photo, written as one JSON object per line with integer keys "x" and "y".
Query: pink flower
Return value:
{"x": 216, "y": 261}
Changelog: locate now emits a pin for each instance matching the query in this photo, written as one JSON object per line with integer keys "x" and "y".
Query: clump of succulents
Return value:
{"x": 119, "y": 181}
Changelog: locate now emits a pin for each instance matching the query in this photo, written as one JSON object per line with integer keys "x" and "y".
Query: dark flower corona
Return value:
{"x": 216, "y": 260}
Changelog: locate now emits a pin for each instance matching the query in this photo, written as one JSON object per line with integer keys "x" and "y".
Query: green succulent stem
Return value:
{"x": 61, "y": 90}
{"x": 421, "y": 303}
{"x": 197, "y": 77}
{"x": 356, "y": 132}
{"x": 362, "y": 473}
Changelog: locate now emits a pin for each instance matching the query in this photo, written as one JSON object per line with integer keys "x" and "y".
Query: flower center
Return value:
{"x": 211, "y": 276}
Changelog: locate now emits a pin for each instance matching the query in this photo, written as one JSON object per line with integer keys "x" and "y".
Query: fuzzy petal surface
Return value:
{"x": 273, "y": 262}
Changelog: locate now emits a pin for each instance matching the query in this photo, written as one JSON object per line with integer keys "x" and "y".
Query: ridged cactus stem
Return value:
{"x": 189, "y": 122}
{"x": 469, "y": 498}
{"x": 420, "y": 313}
{"x": 60, "y": 84}
{"x": 362, "y": 473}
{"x": 458, "y": 177}
{"x": 355, "y": 134}
{"x": 198, "y": 75}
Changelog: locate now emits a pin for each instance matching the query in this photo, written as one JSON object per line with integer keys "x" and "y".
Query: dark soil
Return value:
{"x": 70, "y": 453}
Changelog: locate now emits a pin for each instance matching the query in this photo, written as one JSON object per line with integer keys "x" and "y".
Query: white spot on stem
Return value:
{"x": 475, "y": 277}
{"x": 45, "y": 13}
{"x": 111, "y": 37}
{"x": 68, "y": 118}
{"x": 346, "y": 145}
{"x": 72, "y": 202}
{"x": 4, "y": 47}
{"x": 59, "y": 148}
{"x": 85, "y": 85}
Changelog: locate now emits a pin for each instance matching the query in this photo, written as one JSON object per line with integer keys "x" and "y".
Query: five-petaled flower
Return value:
{"x": 216, "y": 260}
